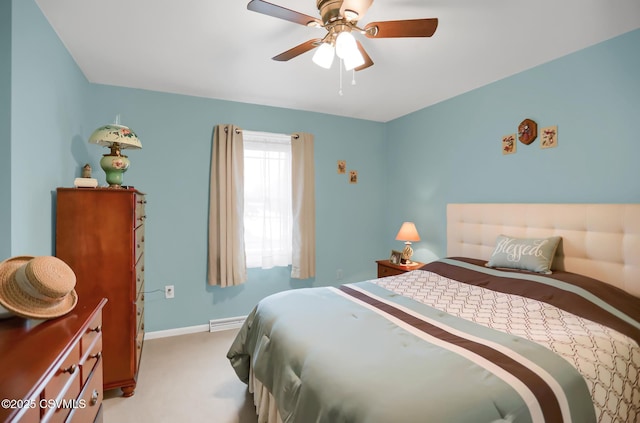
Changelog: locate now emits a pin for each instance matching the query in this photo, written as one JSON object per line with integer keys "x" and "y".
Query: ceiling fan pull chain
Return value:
{"x": 340, "y": 67}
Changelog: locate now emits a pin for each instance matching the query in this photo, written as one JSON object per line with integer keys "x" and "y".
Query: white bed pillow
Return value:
{"x": 533, "y": 254}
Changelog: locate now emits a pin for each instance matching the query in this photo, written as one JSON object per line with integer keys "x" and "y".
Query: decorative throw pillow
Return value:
{"x": 533, "y": 254}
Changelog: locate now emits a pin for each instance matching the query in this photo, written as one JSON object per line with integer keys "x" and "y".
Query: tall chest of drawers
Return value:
{"x": 100, "y": 235}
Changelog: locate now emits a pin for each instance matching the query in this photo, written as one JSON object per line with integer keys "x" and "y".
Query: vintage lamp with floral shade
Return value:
{"x": 117, "y": 137}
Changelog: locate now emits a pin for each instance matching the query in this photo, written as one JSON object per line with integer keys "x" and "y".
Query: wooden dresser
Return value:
{"x": 386, "y": 268}
{"x": 100, "y": 234}
{"x": 51, "y": 371}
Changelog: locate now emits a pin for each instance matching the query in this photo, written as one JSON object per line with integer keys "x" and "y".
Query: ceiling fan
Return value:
{"x": 340, "y": 18}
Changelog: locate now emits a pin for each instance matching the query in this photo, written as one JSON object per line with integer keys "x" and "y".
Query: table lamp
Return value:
{"x": 407, "y": 233}
{"x": 117, "y": 137}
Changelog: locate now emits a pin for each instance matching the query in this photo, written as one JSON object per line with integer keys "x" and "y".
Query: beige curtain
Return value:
{"x": 304, "y": 207}
{"x": 227, "y": 264}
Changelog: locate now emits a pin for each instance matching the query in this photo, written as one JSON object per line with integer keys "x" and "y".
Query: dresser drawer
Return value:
{"x": 388, "y": 271}
{"x": 93, "y": 332}
{"x": 63, "y": 387}
{"x": 90, "y": 399}
{"x": 139, "y": 275}
{"x": 139, "y": 242}
{"x": 90, "y": 360}
{"x": 139, "y": 342}
{"x": 141, "y": 201}
{"x": 30, "y": 414}
{"x": 139, "y": 315}
{"x": 386, "y": 268}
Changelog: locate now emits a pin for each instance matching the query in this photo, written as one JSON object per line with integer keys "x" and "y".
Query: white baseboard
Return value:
{"x": 213, "y": 326}
{"x": 175, "y": 332}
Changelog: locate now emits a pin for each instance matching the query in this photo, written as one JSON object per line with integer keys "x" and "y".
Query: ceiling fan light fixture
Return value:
{"x": 351, "y": 15}
{"x": 353, "y": 60}
{"x": 323, "y": 56}
{"x": 345, "y": 44}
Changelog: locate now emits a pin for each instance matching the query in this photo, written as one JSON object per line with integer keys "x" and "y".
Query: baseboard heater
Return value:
{"x": 224, "y": 324}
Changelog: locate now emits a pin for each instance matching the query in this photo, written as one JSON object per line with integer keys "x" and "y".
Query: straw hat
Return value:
{"x": 37, "y": 287}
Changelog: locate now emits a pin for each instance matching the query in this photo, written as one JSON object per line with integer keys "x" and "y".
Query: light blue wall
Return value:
{"x": 593, "y": 96}
{"x": 173, "y": 169}
{"x": 54, "y": 110}
{"x": 48, "y": 94}
{"x": 5, "y": 128}
{"x": 408, "y": 169}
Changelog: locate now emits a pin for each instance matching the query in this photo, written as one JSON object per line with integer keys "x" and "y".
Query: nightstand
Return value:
{"x": 386, "y": 268}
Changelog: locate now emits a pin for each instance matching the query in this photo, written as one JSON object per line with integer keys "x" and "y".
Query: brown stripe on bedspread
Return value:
{"x": 540, "y": 389}
{"x": 566, "y": 300}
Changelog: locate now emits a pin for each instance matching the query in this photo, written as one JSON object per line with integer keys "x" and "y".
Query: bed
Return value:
{"x": 457, "y": 341}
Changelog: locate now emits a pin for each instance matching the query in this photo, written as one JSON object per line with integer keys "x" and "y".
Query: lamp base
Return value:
{"x": 114, "y": 167}
{"x": 407, "y": 253}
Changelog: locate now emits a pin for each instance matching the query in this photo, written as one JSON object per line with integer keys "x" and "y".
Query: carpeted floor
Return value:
{"x": 184, "y": 378}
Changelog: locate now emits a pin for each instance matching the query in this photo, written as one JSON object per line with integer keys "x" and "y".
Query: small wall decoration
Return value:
{"x": 549, "y": 137}
{"x": 527, "y": 131}
{"x": 353, "y": 176}
{"x": 342, "y": 166}
{"x": 509, "y": 144}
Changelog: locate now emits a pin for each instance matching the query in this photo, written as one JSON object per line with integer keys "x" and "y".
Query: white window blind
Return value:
{"x": 267, "y": 199}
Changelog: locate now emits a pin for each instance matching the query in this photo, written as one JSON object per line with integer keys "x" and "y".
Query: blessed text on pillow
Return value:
{"x": 533, "y": 254}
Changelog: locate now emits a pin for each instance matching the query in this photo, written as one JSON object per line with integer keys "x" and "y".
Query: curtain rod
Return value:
{"x": 238, "y": 131}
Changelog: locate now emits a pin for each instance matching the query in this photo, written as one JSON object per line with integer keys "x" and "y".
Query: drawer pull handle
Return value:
{"x": 71, "y": 369}
{"x": 94, "y": 397}
{"x": 96, "y": 355}
{"x": 97, "y": 329}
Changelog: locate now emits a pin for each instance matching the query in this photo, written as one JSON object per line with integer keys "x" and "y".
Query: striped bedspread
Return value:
{"x": 454, "y": 342}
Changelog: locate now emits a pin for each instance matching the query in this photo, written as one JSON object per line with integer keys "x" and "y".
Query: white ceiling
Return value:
{"x": 219, "y": 49}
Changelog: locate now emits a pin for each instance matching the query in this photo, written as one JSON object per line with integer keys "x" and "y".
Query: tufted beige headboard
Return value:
{"x": 598, "y": 240}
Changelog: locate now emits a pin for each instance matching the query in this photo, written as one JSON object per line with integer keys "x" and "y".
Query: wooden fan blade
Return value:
{"x": 280, "y": 12}
{"x": 406, "y": 28}
{"x": 367, "y": 60}
{"x": 360, "y": 7}
{"x": 298, "y": 50}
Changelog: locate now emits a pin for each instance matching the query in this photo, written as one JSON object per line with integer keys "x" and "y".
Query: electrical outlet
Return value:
{"x": 169, "y": 291}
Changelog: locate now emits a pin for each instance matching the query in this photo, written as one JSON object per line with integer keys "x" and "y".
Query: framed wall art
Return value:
{"x": 527, "y": 131}
{"x": 549, "y": 137}
{"x": 509, "y": 144}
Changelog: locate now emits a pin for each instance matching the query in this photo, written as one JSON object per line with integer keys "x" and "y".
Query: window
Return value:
{"x": 267, "y": 199}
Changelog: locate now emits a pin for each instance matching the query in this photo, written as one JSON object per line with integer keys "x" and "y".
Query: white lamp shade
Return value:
{"x": 353, "y": 60}
{"x": 408, "y": 232}
{"x": 345, "y": 44}
{"x": 107, "y": 135}
{"x": 347, "y": 50}
{"x": 323, "y": 56}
